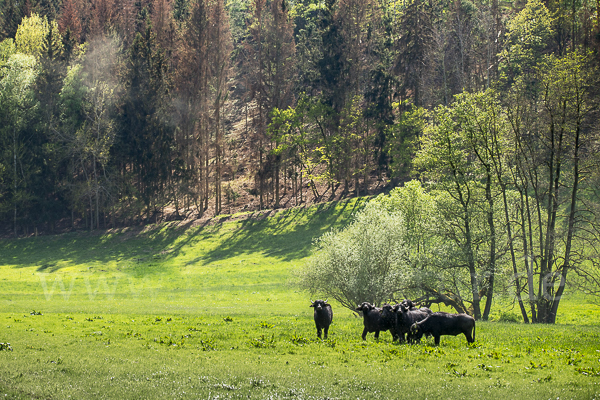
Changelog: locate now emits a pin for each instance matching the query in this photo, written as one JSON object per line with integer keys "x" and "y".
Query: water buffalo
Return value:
{"x": 376, "y": 320}
{"x": 389, "y": 321}
{"x": 407, "y": 317}
{"x": 408, "y": 304}
{"x": 442, "y": 323}
{"x": 323, "y": 316}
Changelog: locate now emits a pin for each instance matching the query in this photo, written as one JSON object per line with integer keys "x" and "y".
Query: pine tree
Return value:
{"x": 270, "y": 58}
{"x": 331, "y": 65}
{"x": 192, "y": 87}
{"x": 11, "y": 15}
{"x": 414, "y": 48}
{"x": 181, "y": 11}
{"x": 144, "y": 146}
{"x": 163, "y": 24}
{"x": 70, "y": 20}
{"x": 221, "y": 46}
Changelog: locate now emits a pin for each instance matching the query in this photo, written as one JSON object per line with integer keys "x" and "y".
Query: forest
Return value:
{"x": 120, "y": 111}
{"x": 116, "y": 112}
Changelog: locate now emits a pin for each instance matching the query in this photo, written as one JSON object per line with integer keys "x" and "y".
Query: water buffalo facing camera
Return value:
{"x": 389, "y": 321}
{"x": 323, "y": 316}
{"x": 407, "y": 316}
{"x": 441, "y": 323}
{"x": 371, "y": 317}
{"x": 376, "y": 320}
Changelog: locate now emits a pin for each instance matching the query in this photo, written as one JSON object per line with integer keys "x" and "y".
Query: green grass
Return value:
{"x": 209, "y": 312}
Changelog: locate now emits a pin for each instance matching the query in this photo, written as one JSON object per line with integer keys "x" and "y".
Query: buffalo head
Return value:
{"x": 365, "y": 307}
{"x": 319, "y": 304}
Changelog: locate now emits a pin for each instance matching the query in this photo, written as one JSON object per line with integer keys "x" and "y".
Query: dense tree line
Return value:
{"x": 114, "y": 111}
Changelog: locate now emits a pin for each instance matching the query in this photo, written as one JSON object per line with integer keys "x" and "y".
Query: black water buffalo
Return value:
{"x": 407, "y": 316}
{"x": 375, "y": 321}
{"x": 323, "y": 316}
{"x": 408, "y": 304}
{"x": 389, "y": 321}
{"x": 442, "y": 323}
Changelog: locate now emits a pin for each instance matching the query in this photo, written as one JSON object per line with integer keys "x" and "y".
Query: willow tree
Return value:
{"x": 365, "y": 261}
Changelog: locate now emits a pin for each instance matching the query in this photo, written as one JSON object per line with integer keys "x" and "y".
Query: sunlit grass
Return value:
{"x": 248, "y": 354}
{"x": 210, "y": 312}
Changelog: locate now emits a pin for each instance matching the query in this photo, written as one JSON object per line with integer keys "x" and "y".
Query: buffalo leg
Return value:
{"x": 319, "y": 333}
{"x": 437, "y": 340}
{"x": 326, "y": 330}
{"x": 469, "y": 338}
{"x": 364, "y": 335}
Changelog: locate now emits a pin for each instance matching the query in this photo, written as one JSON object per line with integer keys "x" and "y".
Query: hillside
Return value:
{"x": 211, "y": 311}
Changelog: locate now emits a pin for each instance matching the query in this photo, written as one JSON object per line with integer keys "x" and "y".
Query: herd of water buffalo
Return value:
{"x": 400, "y": 320}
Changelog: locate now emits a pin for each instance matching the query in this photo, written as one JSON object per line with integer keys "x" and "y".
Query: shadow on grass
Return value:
{"x": 286, "y": 234}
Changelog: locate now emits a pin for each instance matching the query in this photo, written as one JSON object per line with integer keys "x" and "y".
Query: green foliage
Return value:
{"x": 508, "y": 317}
{"x": 528, "y": 37}
{"x": 361, "y": 262}
{"x": 7, "y": 49}
{"x": 262, "y": 342}
{"x": 402, "y": 139}
{"x": 87, "y": 128}
{"x": 32, "y": 34}
{"x": 421, "y": 217}
{"x": 144, "y": 106}
{"x": 299, "y": 340}
{"x": 17, "y": 106}
{"x": 17, "y": 78}
{"x": 238, "y": 11}
{"x": 415, "y": 43}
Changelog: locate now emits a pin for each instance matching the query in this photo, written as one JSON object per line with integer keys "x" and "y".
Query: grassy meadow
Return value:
{"x": 211, "y": 312}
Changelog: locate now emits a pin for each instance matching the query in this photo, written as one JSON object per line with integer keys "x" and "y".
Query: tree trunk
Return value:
{"x": 472, "y": 270}
{"x": 571, "y": 224}
{"x": 276, "y": 183}
{"x": 492, "y": 267}
{"x": 218, "y": 157}
{"x": 15, "y": 181}
{"x": 527, "y": 252}
{"x": 260, "y": 177}
{"x": 96, "y": 195}
{"x": 513, "y": 257}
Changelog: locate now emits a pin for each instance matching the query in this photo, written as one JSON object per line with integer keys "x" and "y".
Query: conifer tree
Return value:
{"x": 414, "y": 46}
{"x": 270, "y": 50}
{"x": 145, "y": 142}
{"x": 10, "y": 18}
{"x": 192, "y": 105}
{"x": 70, "y": 20}
{"x": 221, "y": 46}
